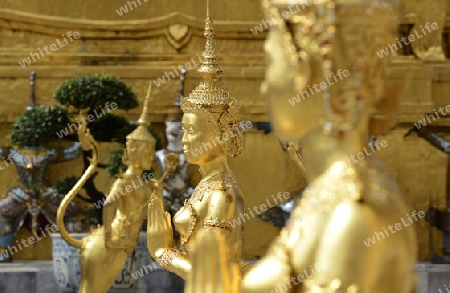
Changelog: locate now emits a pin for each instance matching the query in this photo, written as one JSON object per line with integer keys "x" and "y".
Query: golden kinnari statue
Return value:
{"x": 210, "y": 124}
{"x": 325, "y": 247}
{"x": 103, "y": 253}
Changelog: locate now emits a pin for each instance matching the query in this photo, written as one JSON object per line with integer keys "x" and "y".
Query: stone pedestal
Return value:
{"x": 17, "y": 279}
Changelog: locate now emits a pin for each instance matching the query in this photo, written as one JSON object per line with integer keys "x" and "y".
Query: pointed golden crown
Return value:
{"x": 210, "y": 93}
{"x": 141, "y": 133}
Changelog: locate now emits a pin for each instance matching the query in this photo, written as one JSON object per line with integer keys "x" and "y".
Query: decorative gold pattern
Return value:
{"x": 222, "y": 181}
{"x": 219, "y": 224}
{"x": 166, "y": 258}
{"x": 178, "y": 35}
{"x": 192, "y": 224}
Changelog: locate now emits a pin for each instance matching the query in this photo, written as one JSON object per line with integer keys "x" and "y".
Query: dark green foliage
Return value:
{"x": 93, "y": 91}
{"x": 63, "y": 186}
{"x": 108, "y": 127}
{"x": 114, "y": 163}
{"x": 38, "y": 126}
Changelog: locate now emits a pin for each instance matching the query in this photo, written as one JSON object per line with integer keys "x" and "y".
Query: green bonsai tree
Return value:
{"x": 38, "y": 126}
{"x": 94, "y": 91}
{"x": 99, "y": 95}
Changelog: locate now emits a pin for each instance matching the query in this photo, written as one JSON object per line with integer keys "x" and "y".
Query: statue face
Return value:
{"x": 200, "y": 142}
{"x": 174, "y": 132}
{"x": 296, "y": 50}
{"x": 141, "y": 154}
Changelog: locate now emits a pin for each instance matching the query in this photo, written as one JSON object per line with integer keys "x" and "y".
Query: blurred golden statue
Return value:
{"x": 341, "y": 236}
{"x": 428, "y": 30}
{"x": 211, "y": 127}
{"x": 103, "y": 253}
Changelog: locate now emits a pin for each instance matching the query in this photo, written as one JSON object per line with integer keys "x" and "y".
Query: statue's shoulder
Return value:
{"x": 222, "y": 196}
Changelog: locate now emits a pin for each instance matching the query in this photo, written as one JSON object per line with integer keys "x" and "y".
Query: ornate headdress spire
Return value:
{"x": 210, "y": 93}
{"x": 211, "y": 97}
{"x": 141, "y": 133}
{"x": 210, "y": 69}
{"x": 175, "y": 114}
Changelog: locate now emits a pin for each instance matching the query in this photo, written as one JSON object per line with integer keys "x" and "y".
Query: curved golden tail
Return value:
{"x": 87, "y": 143}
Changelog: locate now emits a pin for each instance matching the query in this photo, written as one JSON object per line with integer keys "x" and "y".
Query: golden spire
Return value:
{"x": 210, "y": 69}
{"x": 141, "y": 133}
{"x": 210, "y": 92}
{"x": 143, "y": 120}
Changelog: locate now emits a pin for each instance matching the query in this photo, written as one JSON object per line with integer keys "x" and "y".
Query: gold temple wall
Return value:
{"x": 148, "y": 40}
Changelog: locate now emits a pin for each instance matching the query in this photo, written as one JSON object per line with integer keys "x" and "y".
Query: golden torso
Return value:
{"x": 325, "y": 247}
{"x": 124, "y": 212}
{"x": 193, "y": 216}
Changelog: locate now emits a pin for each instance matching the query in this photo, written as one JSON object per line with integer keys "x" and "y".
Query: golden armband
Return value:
{"x": 166, "y": 258}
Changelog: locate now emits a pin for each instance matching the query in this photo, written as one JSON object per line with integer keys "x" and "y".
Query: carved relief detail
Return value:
{"x": 178, "y": 35}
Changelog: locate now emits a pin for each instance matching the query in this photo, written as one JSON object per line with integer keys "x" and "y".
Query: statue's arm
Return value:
{"x": 273, "y": 269}
{"x": 160, "y": 238}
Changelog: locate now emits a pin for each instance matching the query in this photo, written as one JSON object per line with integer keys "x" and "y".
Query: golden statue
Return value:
{"x": 103, "y": 253}
{"x": 428, "y": 30}
{"x": 211, "y": 126}
{"x": 348, "y": 232}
